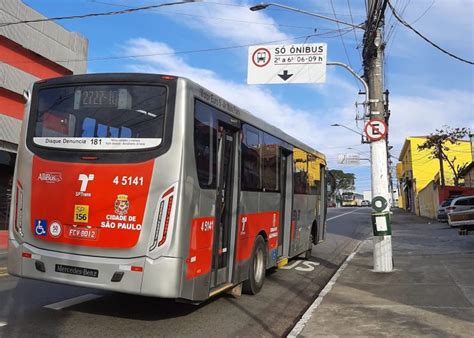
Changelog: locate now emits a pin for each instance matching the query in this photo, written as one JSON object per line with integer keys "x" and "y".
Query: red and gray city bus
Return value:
{"x": 151, "y": 184}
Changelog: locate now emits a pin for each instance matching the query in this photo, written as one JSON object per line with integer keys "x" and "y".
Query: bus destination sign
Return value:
{"x": 100, "y": 97}
{"x": 279, "y": 64}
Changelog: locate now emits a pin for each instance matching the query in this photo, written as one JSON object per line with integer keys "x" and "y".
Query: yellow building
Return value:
{"x": 417, "y": 169}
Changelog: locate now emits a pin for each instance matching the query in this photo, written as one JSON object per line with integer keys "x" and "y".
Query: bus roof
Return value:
{"x": 255, "y": 121}
{"x": 216, "y": 101}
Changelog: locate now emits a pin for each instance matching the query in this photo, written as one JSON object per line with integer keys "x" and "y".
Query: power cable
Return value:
{"x": 355, "y": 34}
{"x": 344, "y": 44}
{"x": 82, "y": 16}
{"x": 195, "y": 51}
{"x": 216, "y": 18}
{"x": 406, "y": 24}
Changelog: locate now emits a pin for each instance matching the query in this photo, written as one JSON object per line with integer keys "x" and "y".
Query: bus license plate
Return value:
{"x": 74, "y": 270}
{"x": 83, "y": 233}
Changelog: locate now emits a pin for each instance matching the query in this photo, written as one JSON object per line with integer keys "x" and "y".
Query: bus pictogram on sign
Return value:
{"x": 261, "y": 57}
{"x": 375, "y": 129}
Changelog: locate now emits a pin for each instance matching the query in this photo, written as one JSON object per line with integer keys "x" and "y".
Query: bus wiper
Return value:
{"x": 145, "y": 112}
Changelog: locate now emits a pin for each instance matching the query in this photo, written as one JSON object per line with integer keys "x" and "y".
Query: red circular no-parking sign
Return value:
{"x": 375, "y": 129}
{"x": 261, "y": 57}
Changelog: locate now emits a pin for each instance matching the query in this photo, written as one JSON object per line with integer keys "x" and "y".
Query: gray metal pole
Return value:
{"x": 373, "y": 64}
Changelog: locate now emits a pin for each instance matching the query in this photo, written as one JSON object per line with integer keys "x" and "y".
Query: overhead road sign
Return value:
{"x": 280, "y": 64}
{"x": 348, "y": 159}
{"x": 375, "y": 129}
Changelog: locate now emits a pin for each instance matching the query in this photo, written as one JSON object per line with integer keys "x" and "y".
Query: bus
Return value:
{"x": 151, "y": 184}
{"x": 352, "y": 199}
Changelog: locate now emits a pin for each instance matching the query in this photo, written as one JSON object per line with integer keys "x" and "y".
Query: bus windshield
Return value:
{"x": 347, "y": 196}
{"x": 100, "y": 117}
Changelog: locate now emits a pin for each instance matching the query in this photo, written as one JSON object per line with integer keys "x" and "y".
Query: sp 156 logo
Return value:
{"x": 81, "y": 213}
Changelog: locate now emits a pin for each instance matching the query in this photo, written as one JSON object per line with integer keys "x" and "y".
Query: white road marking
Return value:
{"x": 309, "y": 266}
{"x": 3, "y": 272}
{"x": 291, "y": 266}
{"x": 307, "y": 315}
{"x": 73, "y": 301}
{"x": 3, "y": 324}
{"x": 347, "y": 213}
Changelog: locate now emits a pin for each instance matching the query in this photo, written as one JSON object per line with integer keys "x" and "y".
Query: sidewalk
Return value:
{"x": 431, "y": 291}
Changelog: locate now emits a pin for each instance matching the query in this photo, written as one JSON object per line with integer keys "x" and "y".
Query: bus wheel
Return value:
{"x": 257, "y": 268}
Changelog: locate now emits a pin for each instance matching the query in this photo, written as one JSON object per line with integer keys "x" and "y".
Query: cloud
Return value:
{"x": 310, "y": 126}
{"x": 420, "y": 115}
{"x": 231, "y": 20}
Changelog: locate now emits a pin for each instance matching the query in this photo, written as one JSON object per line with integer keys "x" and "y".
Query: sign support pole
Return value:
{"x": 373, "y": 66}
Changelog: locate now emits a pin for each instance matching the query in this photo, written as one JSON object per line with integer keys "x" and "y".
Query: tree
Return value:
{"x": 343, "y": 181}
{"x": 439, "y": 143}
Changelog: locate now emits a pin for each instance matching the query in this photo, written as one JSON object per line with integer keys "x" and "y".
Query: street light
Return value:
{"x": 343, "y": 126}
{"x": 265, "y": 5}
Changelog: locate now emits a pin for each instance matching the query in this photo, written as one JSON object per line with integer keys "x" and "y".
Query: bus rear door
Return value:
{"x": 223, "y": 246}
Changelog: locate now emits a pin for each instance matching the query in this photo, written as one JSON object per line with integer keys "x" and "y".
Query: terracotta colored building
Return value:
{"x": 28, "y": 52}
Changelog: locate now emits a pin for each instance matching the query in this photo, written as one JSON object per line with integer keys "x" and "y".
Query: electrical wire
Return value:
{"x": 217, "y": 18}
{"x": 83, "y": 16}
{"x": 195, "y": 51}
{"x": 406, "y": 24}
{"x": 344, "y": 44}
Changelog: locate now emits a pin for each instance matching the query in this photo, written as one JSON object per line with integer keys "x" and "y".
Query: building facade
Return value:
{"x": 28, "y": 52}
{"x": 416, "y": 170}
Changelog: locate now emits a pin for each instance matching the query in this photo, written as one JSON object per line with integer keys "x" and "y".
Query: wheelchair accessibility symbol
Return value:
{"x": 40, "y": 227}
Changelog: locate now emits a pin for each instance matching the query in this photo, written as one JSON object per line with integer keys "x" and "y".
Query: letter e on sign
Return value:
{"x": 375, "y": 129}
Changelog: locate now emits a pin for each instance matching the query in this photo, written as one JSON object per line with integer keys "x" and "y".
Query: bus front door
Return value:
{"x": 222, "y": 232}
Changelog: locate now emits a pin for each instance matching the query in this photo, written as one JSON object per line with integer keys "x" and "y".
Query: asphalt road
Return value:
{"x": 273, "y": 312}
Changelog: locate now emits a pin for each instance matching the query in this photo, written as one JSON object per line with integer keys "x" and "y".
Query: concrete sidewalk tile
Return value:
{"x": 469, "y": 293}
{"x": 397, "y": 320}
{"x": 463, "y": 276}
{"x": 404, "y": 294}
{"x": 421, "y": 274}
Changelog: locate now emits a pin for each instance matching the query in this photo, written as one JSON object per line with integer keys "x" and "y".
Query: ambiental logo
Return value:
{"x": 50, "y": 177}
{"x": 85, "y": 179}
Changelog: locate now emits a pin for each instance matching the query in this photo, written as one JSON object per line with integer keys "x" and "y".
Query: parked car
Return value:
{"x": 464, "y": 219}
{"x": 442, "y": 216}
{"x": 459, "y": 204}
{"x": 365, "y": 203}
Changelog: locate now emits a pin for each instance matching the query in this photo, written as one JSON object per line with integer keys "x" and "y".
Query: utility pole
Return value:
{"x": 441, "y": 167}
{"x": 373, "y": 56}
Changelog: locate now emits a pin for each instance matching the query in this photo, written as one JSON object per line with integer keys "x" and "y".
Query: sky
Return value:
{"x": 208, "y": 42}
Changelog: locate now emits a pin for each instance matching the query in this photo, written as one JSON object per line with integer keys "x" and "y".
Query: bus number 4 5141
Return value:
{"x": 128, "y": 180}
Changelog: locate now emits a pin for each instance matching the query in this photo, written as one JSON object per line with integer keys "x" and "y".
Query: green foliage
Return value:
{"x": 343, "y": 181}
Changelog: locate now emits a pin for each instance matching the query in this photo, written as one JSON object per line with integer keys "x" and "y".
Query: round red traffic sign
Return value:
{"x": 261, "y": 57}
{"x": 375, "y": 129}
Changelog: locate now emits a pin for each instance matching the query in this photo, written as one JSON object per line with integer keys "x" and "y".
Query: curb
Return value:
{"x": 298, "y": 328}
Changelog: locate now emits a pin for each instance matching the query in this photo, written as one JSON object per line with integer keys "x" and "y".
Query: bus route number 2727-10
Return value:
{"x": 128, "y": 180}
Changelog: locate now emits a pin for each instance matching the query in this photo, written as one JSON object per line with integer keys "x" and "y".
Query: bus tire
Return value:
{"x": 257, "y": 267}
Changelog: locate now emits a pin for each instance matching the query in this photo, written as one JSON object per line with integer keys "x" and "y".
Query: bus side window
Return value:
{"x": 205, "y": 144}
{"x": 270, "y": 163}
{"x": 300, "y": 173}
{"x": 251, "y": 158}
